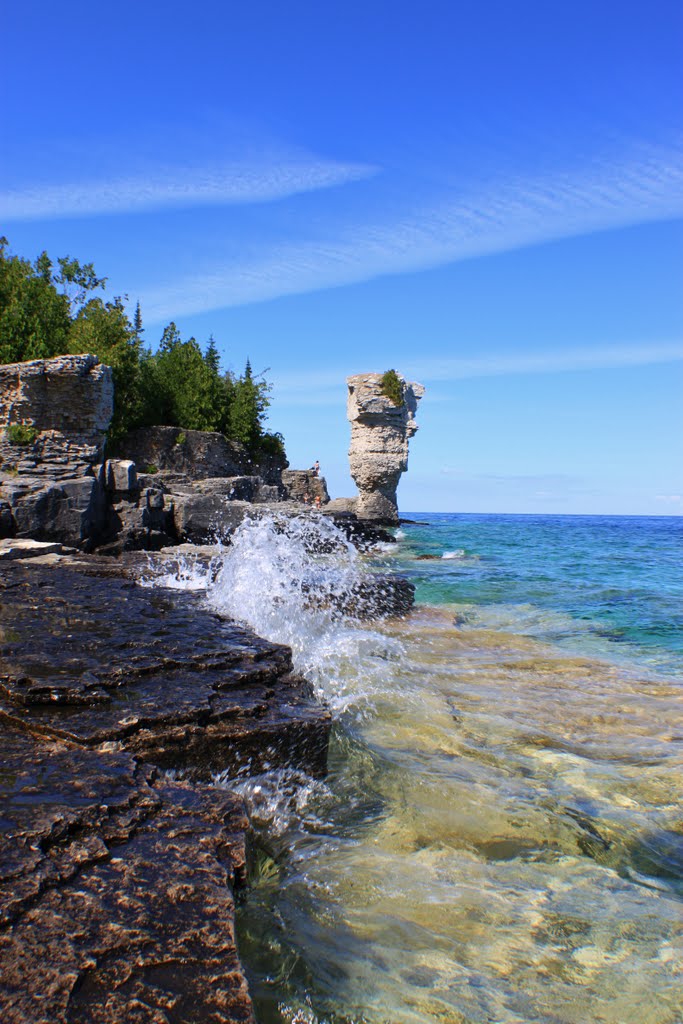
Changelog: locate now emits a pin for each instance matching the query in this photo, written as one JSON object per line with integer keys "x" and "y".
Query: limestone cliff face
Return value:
{"x": 68, "y": 403}
{"x": 380, "y": 431}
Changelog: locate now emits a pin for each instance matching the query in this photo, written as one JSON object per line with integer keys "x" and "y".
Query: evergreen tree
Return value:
{"x": 211, "y": 356}
{"x": 187, "y": 382}
{"x": 104, "y": 329}
{"x": 137, "y": 322}
{"x": 248, "y": 410}
{"x": 34, "y": 317}
{"x": 46, "y": 312}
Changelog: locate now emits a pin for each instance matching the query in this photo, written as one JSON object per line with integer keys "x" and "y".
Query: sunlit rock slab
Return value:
{"x": 116, "y": 891}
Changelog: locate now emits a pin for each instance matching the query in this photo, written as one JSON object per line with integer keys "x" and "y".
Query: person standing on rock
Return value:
{"x": 315, "y": 468}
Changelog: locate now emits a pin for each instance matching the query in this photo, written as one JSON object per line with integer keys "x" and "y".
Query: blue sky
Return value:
{"x": 487, "y": 197}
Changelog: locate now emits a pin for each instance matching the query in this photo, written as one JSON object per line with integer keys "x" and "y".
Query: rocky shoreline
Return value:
{"x": 119, "y": 861}
{"x": 116, "y": 882}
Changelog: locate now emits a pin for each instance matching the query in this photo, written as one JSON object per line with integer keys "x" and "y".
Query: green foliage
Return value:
{"x": 248, "y": 409}
{"x": 46, "y": 312}
{"x": 151, "y": 469}
{"x": 391, "y": 387}
{"x": 181, "y": 438}
{"x": 272, "y": 444}
{"x": 21, "y": 433}
{"x": 75, "y": 280}
{"x": 137, "y": 322}
{"x": 103, "y": 329}
{"x": 34, "y": 317}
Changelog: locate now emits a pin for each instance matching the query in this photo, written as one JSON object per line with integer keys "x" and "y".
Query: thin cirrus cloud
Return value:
{"x": 566, "y": 361}
{"x": 317, "y": 388}
{"x": 227, "y": 184}
{"x": 507, "y": 216}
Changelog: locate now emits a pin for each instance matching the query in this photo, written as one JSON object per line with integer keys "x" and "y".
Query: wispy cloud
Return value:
{"x": 565, "y": 361}
{"x": 506, "y": 216}
{"x": 317, "y": 387}
{"x": 234, "y": 183}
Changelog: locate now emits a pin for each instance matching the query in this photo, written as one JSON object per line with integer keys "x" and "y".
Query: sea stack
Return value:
{"x": 381, "y": 409}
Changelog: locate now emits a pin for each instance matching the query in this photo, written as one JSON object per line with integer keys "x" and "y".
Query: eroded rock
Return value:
{"x": 65, "y": 406}
{"x": 193, "y": 453}
{"x": 116, "y": 884}
{"x": 378, "y": 455}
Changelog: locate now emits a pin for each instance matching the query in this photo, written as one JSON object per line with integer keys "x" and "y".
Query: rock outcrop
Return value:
{"x": 305, "y": 485}
{"x": 380, "y": 431}
{"x": 195, "y": 454}
{"x": 64, "y": 406}
{"x": 54, "y": 414}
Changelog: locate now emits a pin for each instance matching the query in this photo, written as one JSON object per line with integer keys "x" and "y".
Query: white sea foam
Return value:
{"x": 293, "y": 581}
{"x": 458, "y": 553}
{"x": 184, "y": 572}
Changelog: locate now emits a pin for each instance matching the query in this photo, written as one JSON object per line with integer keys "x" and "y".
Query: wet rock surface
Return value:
{"x": 116, "y": 898}
{"x": 96, "y": 660}
{"x": 116, "y": 884}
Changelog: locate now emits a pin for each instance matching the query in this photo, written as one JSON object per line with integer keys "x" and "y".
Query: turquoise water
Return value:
{"x": 499, "y": 839}
{"x": 614, "y": 583}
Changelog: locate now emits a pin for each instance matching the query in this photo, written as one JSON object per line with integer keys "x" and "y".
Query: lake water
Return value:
{"x": 500, "y": 835}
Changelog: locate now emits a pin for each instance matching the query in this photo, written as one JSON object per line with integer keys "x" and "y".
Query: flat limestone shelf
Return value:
{"x": 116, "y": 884}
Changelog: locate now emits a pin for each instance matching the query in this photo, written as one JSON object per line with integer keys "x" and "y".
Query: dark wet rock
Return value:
{"x": 116, "y": 891}
{"x": 362, "y": 533}
{"x": 375, "y": 596}
{"x": 179, "y": 686}
{"x": 385, "y": 595}
{"x": 201, "y": 517}
{"x": 8, "y": 527}
{"x": 116, "y": 885}
{"x": 71, "y": 512}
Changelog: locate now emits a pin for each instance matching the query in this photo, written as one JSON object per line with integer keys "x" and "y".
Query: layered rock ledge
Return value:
{"x": 116, "y": 883}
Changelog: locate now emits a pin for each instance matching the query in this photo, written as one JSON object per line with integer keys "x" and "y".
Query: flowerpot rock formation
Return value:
{"x": 380, "y": 431}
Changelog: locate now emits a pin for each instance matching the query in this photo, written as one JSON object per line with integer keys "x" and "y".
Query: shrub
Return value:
{"x": 21, "y": 433}
{"x": 391, "y": 387}
{"x": 151, "y": 469}
{"x": 181, "y": 438}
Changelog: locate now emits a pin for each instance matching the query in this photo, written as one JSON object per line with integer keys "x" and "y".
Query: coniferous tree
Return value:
{"x": 104, "y": 329}
{"x": 248, "y": 410}
{"x": 45, "y": 312}
{"x": 137, "y": 322}
{"x": 34, "y": 317}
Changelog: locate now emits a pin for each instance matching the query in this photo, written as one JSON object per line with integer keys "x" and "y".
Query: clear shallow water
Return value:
{"x": 500, "y": 837}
